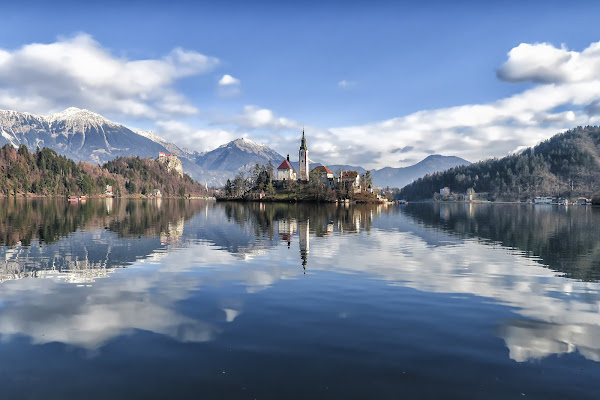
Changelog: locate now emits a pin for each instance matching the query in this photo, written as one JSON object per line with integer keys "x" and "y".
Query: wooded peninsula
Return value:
{"x": 45, "y": 173}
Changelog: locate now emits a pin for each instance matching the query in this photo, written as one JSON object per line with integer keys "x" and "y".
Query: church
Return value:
{"x": 286, "y": 172}
{"x": 348, "y": 180}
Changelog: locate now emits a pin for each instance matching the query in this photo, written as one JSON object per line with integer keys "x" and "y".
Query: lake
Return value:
{"x": 163, "y": 299}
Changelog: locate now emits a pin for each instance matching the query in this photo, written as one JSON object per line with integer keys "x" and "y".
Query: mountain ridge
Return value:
{"x": 567, "y": 165}
{"x": 83, "y": 135}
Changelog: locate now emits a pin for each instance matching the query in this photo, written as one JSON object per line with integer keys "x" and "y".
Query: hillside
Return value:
{"x": 45, "y": 173}
{"x": 567, "y": 165}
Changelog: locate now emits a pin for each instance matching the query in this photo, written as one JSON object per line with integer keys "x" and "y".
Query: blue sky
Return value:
{"x": 365, "y": 78}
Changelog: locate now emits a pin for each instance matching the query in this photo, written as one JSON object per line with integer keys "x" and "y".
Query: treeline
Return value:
{"x": 45, "y": 173}
{"x": 143, "y": 175}
{"x": 566, "y": 165}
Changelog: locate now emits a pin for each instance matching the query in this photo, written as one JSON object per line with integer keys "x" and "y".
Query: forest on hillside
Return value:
{"x": 566, "y": 165}
{"x": 45, "y": 173}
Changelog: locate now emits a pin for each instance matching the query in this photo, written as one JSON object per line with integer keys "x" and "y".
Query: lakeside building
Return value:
{"x": 324, "y": 174}
{"x": 349, "y": 180}
{"x": 285, "y": 172}
{"x": 303, "y": 163}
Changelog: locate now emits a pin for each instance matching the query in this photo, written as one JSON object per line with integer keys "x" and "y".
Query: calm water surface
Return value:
{"x": 191, "y": 299}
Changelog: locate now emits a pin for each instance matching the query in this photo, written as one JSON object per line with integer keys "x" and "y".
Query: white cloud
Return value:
{"x": 198, "y": 139}
{"x": 78, "y": 71}
{"x": 228, "y": 87}
{"x": 542, "y": 62}
{"x": 569, "y": 97}
{"x": 344, "y": 84}
{"x": 255, "y": 117}
{"x": 478, "y": 131}
{"x": 228, "y": 80}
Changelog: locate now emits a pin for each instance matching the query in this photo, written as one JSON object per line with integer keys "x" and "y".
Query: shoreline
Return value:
{"x": 497, "y": 202}
{"x": 297, "y": 200}
{"x": 141, "y": 197}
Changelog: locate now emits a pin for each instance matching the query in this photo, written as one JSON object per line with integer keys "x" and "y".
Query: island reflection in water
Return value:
{"x": 413, "y": 293}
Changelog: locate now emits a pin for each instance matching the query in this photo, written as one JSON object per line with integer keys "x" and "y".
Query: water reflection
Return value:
{"x": 259, "y": 227}
{"x": 49, "y": 238}
{"x": 507, "y": 255}
{"x": 534, "y": 339}
{"x": 501, "y": 252}
{"x": 563, "y": 238}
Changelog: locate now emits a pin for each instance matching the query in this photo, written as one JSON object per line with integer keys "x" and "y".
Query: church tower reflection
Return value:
{"x": 303, "y": 232}
{"x": 287, "y": 228}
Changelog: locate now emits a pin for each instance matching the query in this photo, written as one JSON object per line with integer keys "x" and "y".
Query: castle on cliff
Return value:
{"x": 172, "y": 161}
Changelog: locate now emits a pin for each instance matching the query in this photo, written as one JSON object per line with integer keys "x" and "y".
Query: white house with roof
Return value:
{"x": 285, "y": 172}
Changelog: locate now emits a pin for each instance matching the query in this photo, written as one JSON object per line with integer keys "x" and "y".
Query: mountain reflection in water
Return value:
{"x": 406, "y": 287}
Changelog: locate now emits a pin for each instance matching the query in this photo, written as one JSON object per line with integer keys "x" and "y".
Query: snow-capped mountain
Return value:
{"x": 83, "y": 135}
{"x": 240, "y": 154}
{"x": 79, "y": 134}
{"x": 171, "y": 147}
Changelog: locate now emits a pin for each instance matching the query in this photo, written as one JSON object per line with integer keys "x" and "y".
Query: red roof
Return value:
{"x": 322, "y": 169}
{"x": 285, "y": 165}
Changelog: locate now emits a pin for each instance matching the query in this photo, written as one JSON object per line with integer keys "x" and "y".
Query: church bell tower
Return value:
{"x": 303, "y": 166}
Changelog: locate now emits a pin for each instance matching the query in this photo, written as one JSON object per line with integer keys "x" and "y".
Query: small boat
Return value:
{"x": 73, "y": 199}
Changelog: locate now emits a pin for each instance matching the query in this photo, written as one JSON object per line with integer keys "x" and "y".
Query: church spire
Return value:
{"x": 303, "y": 163}
{"x": 303, "y": 141}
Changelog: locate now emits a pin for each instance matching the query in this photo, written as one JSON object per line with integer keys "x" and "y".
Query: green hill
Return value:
{"x": 45, "y": 173}
{"x": 567, "y": 165}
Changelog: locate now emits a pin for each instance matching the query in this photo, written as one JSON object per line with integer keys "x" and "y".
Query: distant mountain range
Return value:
{"x": 238, "y": 154}
{"x": 86, "y": 136}
{"x": 400, "y": 177}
